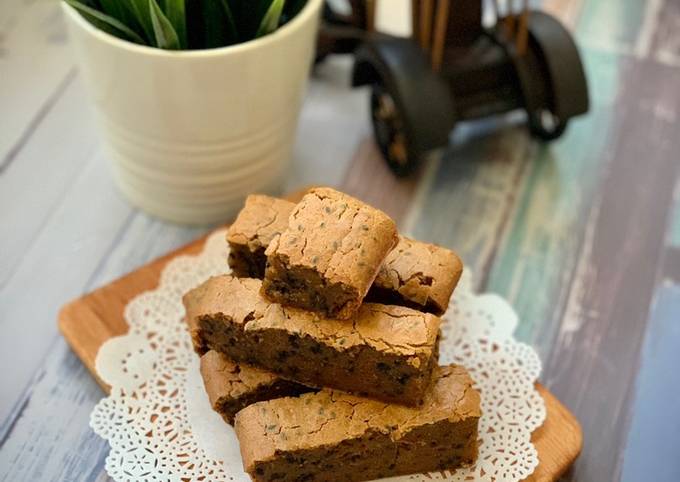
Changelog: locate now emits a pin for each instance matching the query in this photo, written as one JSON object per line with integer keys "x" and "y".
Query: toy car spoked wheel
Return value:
{"x": 545, "y": 125}
{"x": 388, "y": 128}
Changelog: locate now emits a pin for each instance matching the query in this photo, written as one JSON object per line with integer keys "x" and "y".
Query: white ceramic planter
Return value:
{"x": 191, "y": 133}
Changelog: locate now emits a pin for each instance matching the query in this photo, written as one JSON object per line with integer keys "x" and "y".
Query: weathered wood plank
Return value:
{"x": 334, "y": 120}
{"x": 471, "y": 195}
{"x": 666, "y": 44}
{"x": 42, "y": 172}
{"x": 385, "y": 191}
{"x": 540, "y": 247}
{"x": 568, "y": 11}
{"x": 28, "y": 431}
{"x": 597, "y": 350}
{"x": 145, "y": 238}
{"x": 655, "y": 427}
{"x": 84, "y": 227}
{"x": 49, "y": 439}
{"x": 36, "y": 64}
{"x": 611, "y": 25}
{"x": 673, "y": 236}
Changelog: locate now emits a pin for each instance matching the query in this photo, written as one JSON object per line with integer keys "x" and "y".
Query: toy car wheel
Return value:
{"x": 546, "y": 126}
{"x": 388, "y": 128}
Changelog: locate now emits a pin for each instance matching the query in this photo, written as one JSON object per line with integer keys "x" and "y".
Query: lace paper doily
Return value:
{"x": 160, "y": 426}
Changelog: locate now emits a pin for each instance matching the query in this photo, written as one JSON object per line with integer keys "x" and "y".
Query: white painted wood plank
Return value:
{"x": 41, "y": 173}
{"x": 51, "y": 440}
{"x": 63, "y": 386}
{"x": 83, "y": 229}
{"x": 145, "y": 239}
{"x": 333, "y": 121}
{"x": 35, "y": 60}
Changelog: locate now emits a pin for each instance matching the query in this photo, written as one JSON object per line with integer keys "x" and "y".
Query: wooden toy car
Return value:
{"x": 454, "y": 69}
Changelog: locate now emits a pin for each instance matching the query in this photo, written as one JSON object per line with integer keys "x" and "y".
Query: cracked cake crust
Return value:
{"x": 261, "y": 219}
{"x": 333, "y": 436}
{"x": 417, "y": 274}
{"x": 414, "y": 274}
{"x": 386, "y": 352}
{"x": 329, "y": 254}
{"x": 232, "y": 386}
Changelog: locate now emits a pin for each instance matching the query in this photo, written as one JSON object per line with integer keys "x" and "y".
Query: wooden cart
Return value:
{"x": 453, "y": 68}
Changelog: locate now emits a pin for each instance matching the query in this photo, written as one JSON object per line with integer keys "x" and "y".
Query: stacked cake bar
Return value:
{"x": 321, "y": 347}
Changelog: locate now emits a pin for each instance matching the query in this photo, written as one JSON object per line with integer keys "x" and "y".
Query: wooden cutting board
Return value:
{"x": 91, "y": 320}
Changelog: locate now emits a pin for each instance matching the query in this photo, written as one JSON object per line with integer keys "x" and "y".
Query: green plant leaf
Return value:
{"x": 141, "y": 12}
{"x": 219, "y": 25}
{"x": 164, "y": 32}
{"x": 106, "y": 22}
{"x": 120, "y": 10}
{"x": 175, "y": 11}
{"x": 231, "y": 25}
{"x": 188, "y": 24}
{"x": 114, "y": 8}
{"x": 270, "y": 21}
{"x": 291, "y": 9}
{"x": 248, "y": 15}
{"x": 193, "y": 12}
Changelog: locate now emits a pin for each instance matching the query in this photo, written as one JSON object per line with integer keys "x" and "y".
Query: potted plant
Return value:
{"x": 197, "y": 100}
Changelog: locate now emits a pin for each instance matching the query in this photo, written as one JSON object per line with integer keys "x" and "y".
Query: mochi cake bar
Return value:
{"x": 385, "y": 352}
{"x": 329, "y": 254}
{"x": 332, "y": 436}
{"x": 414, "y": 274}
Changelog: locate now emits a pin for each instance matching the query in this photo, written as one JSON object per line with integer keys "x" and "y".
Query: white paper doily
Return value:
{"x": 160, "y": 426}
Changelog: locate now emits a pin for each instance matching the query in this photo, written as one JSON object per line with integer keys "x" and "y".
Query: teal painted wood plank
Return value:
{"x": 596, "y": 353}
{"x": 467, "y": 197}
{"x": 674, "y": 222}
{"x": 540, "y": 248}
{"x": 612, "y": 25}
{"x": 654, "y": 436}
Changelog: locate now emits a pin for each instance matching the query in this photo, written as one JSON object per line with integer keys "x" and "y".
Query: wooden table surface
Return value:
{"x": 582, "y": 235}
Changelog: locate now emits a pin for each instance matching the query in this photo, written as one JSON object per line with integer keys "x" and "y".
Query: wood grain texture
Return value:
{"x": 469, "y": 195}
{"x": 657, "y": 392}
{"x": 541, "y": 244}
{"x": 49, "y": 438}
{"x": 53, "y": 159}
{"x": 665, "y": 45}
{"x": 35, "y": 58}
{"x": 321, "y": 156}
{"x": 50, "y": 254}
{"x": 392, "y": 194}
{"x": 88, "y": 322}
{"x": 605, "y": 321}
